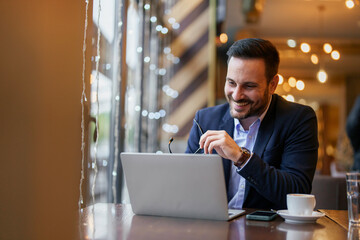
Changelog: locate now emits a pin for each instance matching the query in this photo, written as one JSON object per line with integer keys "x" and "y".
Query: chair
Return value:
{"x": 330, "y": 192}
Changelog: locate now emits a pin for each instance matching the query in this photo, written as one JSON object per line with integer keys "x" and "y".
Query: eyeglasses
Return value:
{"x": 202, "y": 132}
{"x": 170, "y": 141}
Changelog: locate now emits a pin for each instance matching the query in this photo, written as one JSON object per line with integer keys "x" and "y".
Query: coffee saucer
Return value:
{"x": 300, "y": 219}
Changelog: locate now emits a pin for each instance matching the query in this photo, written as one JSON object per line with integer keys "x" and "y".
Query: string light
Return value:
{"x": 164, "y": 30}
{"x": 175, "y": 26}
{"x": 97, "y": 60}
{"x": 167, "y": 50}
{"x": 147, "y": 6}
{"x": 83, "y": 100}
{"x": 158, "y": 28}
{"x": 170, "y": 128}
{"x": 153, "y": 19}
{"x": 171, "y": 20}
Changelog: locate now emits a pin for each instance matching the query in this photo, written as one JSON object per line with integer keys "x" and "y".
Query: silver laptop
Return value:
{"x": 177, "y": 185}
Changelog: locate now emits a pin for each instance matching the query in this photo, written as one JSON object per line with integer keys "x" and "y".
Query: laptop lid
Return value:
{"x": 176, "y": 185}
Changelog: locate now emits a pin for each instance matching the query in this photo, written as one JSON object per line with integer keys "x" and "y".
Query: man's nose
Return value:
{"x": 238, "y": 93}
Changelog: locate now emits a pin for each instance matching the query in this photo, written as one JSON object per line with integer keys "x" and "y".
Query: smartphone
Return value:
{"x": 262, "y": 215}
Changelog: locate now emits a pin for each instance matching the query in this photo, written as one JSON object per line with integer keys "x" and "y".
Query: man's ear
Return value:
{"x": 273, "y": 84}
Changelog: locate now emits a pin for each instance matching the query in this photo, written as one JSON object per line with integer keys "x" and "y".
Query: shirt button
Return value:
{"x": 242, "y": 186}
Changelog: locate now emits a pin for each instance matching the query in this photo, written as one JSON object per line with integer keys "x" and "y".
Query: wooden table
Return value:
{"x": 338, "y": 216}
{"x": 110, "y": 221}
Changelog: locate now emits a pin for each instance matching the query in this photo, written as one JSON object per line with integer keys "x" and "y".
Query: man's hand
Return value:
{"x": 224, "y": 145}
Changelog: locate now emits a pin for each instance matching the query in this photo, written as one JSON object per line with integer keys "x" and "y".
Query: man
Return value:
{"x": 353, "y": 131}
{"x": 268, "y": 145}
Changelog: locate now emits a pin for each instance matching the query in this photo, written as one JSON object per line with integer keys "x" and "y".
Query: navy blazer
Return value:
{"x": 285, "y": 151}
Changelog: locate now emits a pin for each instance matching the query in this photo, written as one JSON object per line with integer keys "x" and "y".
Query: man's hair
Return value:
{"x": 252, "y": 48}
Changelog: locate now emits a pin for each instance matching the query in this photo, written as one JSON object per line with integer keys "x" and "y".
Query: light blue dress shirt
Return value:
{"x": 237, "y": 183}
{"x": 245, "y": 139}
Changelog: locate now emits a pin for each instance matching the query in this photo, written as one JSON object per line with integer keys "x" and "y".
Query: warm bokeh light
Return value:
{"x": 314, "y": 58}
{"x": 92, "y": 77}
{"x": 330, "y": 150}
{"x": 302, "y": 101}
{"x": 327, "y": 48}
{"x": 223, "y": 38}
{"x": 286, "y": 87}
{"x": 349, "y": 4}
{"x": 281, "y": 79}
{"x": 300, "y": 85}
{"x": 292, "y": 81}
{"x": 290, "y": 98}
{"x": 291, "y": 43}
{"x": 322, "y": 76}
{"x": 305, "y": 47}
{"x": 335, "y": 55}
{"x": 315, "y": 106}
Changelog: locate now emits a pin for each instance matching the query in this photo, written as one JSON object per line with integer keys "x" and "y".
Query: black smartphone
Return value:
{"x": 262, "y": 215}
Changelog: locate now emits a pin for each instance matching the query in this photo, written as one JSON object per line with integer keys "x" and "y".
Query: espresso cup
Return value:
{"x": 300, "y": 204}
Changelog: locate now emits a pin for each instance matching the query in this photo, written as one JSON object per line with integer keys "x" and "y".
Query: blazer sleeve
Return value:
{"x": 194, "y": 137}
{"x": 288, "y": 162}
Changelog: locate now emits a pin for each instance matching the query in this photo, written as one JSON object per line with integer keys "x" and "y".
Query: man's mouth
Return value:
{"x": 241, "y": 104}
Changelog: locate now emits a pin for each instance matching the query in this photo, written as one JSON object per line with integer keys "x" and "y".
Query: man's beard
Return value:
{"x": 253, "y": 110}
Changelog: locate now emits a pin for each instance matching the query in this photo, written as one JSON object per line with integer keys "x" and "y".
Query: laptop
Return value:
{"x": 177, "y": 185}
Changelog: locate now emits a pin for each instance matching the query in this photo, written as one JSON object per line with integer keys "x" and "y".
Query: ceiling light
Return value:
{"x": 292, "y": 81}
{"x": 305, "y": 47}
{"x": 335, "y": 55}
{"x": 290, "y": 98}
{"x": 302, "y": 101}
{"x": 223, "y": 38}
{"x": 327, "y": 48}
{"x": 314, "y": 58}
{"x": 300, "y": 85}
{"x": 291, "y": 43}
{"x": 322, "y": 76}
{"x": 349, "y": 4}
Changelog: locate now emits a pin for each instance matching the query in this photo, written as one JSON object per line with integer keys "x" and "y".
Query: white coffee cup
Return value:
{"x": 300, "y": 204}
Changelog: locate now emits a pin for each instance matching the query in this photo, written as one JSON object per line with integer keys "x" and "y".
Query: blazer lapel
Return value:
{"x": 263, "y": 136}
{"x": 227, "y": 124}
{"x": 266, "y": 129}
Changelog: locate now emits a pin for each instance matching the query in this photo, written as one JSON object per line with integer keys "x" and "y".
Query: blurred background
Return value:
{"x": 149, "y": 66}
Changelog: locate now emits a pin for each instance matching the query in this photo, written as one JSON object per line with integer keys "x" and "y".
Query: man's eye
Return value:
{"x": 250, "y": 86}
{"x": 232, "y": 83}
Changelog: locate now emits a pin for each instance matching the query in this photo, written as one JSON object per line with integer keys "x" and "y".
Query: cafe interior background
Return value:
{"x": 82, "y": 81}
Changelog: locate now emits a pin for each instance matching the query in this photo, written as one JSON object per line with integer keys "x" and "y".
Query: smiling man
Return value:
{"x": 269, "y": 146}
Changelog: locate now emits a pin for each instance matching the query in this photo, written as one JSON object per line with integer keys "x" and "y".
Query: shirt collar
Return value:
{"x": 267, "y": 108}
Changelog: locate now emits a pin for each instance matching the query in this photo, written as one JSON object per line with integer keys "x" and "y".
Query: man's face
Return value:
{"x": 246, "y": 88}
